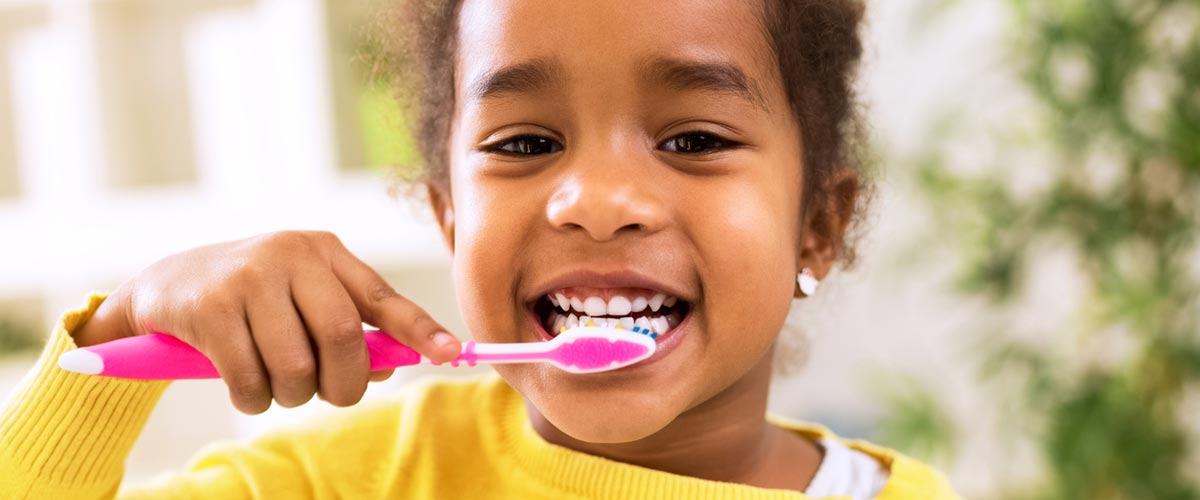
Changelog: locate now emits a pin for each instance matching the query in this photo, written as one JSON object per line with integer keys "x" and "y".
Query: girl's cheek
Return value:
{"x": 747, "y": 224}
{"x": 473, "y": 251}
{"x": 491, "y": 224}
{"x": 745, "y": 235}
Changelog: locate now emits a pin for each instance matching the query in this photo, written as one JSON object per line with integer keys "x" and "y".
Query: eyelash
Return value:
{"x": 499, "y": 146}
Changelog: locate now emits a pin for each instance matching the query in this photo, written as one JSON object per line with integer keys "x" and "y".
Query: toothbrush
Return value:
{"x": 157, "y": 356}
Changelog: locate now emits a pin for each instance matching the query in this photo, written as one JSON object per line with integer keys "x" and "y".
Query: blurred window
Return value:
{"x": 143, "y": 87}
{"x": 13, "y": 20}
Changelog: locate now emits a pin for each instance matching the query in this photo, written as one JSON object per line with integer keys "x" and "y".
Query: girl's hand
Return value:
{"x": 280, "y": 316}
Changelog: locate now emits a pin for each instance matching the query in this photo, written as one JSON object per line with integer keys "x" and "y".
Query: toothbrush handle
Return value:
{"x": 386, "y": 352}
{"x": 148, "y": 357}
{"x": 158, "y": 356}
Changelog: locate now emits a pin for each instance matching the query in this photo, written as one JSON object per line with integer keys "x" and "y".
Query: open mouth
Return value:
{"x": 640, "y": 310}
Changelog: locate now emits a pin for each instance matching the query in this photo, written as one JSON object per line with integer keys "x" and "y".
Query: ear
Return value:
{"x": 443, "y": 209}
{"x": 828, "y": 221}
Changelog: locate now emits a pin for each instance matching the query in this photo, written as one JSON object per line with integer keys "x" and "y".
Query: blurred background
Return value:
{"x": 1025, "y": 316}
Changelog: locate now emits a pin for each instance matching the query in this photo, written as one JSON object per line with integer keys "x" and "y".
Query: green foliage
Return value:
{"x": 916, "y": 421}
{"x": 18, "y": 338}
{"x": 385, "y": 138}
{"x": 381, "y": 119}
{"x": 1114, "y": 113}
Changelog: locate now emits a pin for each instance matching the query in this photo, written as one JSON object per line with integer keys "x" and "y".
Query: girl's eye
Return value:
{"x": 525, "y": 145}
{"x": 695, "y": 143}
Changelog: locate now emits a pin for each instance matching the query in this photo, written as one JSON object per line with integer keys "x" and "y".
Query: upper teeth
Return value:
{"x": 618, "y": 305}
{"x": 595, "y": 306}
{"x": 656, "y": 301}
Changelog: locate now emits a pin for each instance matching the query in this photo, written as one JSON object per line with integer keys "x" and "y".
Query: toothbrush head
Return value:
{"x": 591, "y": 349}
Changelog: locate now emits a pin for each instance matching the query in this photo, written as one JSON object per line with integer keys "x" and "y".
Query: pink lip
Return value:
{"x": 616, "y": 279}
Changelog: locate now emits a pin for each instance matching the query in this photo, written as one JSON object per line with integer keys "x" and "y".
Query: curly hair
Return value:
{"x": 817, "y": 47}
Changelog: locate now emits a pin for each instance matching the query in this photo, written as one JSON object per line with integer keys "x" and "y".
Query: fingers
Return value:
{"x": 237, "y": 360}
{"x": 283, "y": 344}
{"x": 335, "y": 328}
{"x": 281, "y": 317}
{"x": 381, "y": 375}
{"x": 381, "y": 306}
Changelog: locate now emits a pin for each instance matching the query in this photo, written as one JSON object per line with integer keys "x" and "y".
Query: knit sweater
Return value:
{"x": 66, "y": 435}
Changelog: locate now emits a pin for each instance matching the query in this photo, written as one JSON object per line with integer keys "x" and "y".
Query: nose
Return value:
{"x": 605, "y": 202}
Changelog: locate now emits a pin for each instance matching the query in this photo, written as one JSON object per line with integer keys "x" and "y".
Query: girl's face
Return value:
{"x": 621, "y": 150}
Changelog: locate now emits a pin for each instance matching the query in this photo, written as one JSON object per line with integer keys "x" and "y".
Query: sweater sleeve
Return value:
{"x": 67, "y": 435}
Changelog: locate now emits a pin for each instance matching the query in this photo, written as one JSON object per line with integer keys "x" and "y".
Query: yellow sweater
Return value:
{"x": 66, "y": 436}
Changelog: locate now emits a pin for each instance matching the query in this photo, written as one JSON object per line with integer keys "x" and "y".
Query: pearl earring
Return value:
{"x": 807, "y": 281}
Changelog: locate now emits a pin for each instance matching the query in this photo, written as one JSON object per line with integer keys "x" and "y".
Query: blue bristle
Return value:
{"x": 653, "y": 335}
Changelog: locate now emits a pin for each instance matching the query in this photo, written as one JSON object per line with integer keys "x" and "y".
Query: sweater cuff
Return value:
{"x": 64, "y": 430}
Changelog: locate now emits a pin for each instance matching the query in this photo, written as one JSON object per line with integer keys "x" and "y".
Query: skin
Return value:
{"x": 613, "y": 181}
{"x": 613, "y": 193}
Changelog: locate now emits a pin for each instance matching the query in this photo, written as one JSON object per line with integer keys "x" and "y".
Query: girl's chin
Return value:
{"x": 593, "y": 421}
{"x": 609, "y": 407}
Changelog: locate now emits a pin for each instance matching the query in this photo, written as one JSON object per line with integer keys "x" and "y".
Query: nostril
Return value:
{"x": 607, "y": 206}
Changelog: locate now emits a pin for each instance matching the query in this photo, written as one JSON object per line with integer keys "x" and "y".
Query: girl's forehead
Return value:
{"x": 584, "y": 39}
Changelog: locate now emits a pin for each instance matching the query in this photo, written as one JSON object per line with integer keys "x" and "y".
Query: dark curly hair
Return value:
{"x": 817, "y": 46}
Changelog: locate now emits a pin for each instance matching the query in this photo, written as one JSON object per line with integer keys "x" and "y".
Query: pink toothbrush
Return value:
{"x": 584, "y": 349}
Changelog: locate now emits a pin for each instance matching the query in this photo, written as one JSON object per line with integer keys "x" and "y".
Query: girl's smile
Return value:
{"x": 626, "y": 299}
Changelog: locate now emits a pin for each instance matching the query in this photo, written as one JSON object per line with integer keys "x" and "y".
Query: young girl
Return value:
{"x": 679, "y": 161}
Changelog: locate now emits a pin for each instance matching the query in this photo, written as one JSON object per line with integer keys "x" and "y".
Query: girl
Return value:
{"x": 686, "y": 162}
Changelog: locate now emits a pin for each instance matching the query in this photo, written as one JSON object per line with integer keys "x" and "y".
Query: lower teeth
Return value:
{"x": 656, "y": 325}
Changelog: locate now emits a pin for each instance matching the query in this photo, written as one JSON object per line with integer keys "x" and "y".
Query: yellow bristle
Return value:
{"x": 589, "y": 323}
{"x": 619, "y": 327}
{"x": 562, "y": 329}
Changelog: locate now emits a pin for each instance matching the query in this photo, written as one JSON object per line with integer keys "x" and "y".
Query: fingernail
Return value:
{"x": 443, "y": 339}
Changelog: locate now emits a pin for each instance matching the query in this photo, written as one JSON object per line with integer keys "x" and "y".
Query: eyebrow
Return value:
{"x": 527, "y": 77}
{"x": 678, "y": 74}
{"x": 716, "y": 76}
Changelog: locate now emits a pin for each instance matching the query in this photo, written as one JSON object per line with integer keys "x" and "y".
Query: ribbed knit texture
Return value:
{"x": 67, "y": 436}
{"x": 62, "y": 434}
